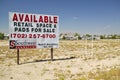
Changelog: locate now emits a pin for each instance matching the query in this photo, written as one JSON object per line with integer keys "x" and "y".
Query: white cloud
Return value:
{"x": 107, "y": 26}
{"x": 75, "y": 17}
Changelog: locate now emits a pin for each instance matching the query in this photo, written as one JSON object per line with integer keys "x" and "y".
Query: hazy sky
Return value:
{"x": 82, "y": 16}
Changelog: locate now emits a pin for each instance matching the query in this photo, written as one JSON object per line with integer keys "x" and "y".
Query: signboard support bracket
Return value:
{"x": 18, "y": 56}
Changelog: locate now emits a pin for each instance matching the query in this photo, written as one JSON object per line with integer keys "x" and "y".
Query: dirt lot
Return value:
{"x": 73, "y": 60}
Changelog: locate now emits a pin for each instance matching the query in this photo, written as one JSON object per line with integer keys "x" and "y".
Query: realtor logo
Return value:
{"x": 12, "y": 44}
{"x": 15, "y": 44}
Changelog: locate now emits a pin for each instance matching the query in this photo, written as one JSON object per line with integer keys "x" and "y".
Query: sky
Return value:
{"x": 81, "y": 16}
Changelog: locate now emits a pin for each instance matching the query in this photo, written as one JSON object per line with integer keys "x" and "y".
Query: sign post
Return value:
{"x": 29, "y": 31}
{"x": 18, "y": 56}
{"x": 52, "y": 54}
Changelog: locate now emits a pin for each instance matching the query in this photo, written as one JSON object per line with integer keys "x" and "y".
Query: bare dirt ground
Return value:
{"x": 73, "y": 60}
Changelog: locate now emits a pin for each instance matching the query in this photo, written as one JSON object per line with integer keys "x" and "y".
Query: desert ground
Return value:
{"x": 73, "y": 60}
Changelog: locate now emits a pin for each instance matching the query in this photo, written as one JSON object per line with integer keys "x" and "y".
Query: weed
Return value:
{"x": 27, "y": 73}
{"x": 44, "y": 71}
{"x": 61, "y": 77}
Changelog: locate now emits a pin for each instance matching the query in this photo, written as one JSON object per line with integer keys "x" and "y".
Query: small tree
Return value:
{"x": 114, "y": 36}
{"x": 77, "y": 35}
{"x": 1, "y": 36}
{"x": 88, "y": 35}
{"x": 60, "y": 35}
{"x": 102, "y": 36}
{"x": 118, "y": 36}
{"x": 64, "y": 38}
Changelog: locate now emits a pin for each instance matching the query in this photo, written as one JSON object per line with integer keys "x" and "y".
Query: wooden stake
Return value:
{"x": 51, "y": 54}
{"x": 18, "y": 56}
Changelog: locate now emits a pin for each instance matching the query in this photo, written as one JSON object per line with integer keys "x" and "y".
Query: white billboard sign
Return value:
{"x": 33, "y": 31}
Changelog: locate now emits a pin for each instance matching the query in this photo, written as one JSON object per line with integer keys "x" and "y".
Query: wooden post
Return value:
{"x": 51, "y": 54}
{"x": 18, "y": 56}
